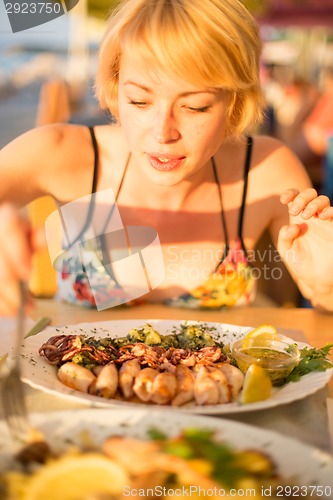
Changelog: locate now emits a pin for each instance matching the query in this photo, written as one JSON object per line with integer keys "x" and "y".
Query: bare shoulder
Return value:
{"x": 43, "y": 145}
{"x": 61, "y": 143}
{"x": 112, "y": 144}
{"x": 75, "y": 167}
{"x": 45, "y": 137}
{"x": 48, "y": 160}
{"x": 277, "y": 166}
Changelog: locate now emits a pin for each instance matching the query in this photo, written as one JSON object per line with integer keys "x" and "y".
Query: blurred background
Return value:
{"x": 297, "y": 69}
{"x": 297, "y": 56}
{"x": 47, "y": 75}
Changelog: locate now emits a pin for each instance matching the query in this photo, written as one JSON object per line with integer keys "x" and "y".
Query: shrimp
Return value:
{"x": 206, "y": 391}
{"x": 137, "y": 456}
{"x": 222, "y": 385}
{"x": 141, "y": 459}
{"x": 97, "y": 369}
{"x": 127, "y": 374}
{"x": 143, "y": 384}
{"x": 164, "y": 388}
{"x": 185, "y": 386}
{"x": 76, "y": 376}
{"x": 106, "y": 383}
{"x": 235, "y": 378}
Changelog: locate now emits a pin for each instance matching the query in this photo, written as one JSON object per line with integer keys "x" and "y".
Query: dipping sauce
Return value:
{"x": 277, "y": 357}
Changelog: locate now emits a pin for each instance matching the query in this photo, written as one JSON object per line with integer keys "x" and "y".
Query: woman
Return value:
{"x": 182, "y": 79}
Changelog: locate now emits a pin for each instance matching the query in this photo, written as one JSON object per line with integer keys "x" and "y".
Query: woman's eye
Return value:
{"x": 198, "y": 110}
{"x": 139, "y": 104}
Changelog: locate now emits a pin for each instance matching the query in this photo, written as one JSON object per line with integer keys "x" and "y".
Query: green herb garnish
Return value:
{"x": 229, "y": 467}
{"x": 312, "y": 360}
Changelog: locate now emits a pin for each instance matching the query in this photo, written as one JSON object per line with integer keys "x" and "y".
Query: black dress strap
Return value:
{"x": 117, "y": 193}
{"x": 246, "y": 177}
{"x": 94, "y": 185}
{"x": 90, "y": 214}
{"x": 92, "y": 198}
{"x": 242, "y": 208}
{"x": 224, "y": 222}
{"x": 96, "y": 158}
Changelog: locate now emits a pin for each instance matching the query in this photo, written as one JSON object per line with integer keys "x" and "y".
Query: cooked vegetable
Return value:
{"x": 193, "y": 460}
{"x": 146, "y": 334}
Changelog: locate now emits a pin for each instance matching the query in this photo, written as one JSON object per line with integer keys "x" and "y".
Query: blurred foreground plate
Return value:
{"x": 302, "y": 463}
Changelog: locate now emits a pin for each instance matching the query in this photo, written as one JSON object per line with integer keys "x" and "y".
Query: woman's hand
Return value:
{"x": 18, "y": 242}
{"x": 306, "y": 244}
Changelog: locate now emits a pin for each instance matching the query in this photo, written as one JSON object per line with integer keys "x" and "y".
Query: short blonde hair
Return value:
{"x": 214, "y": 43}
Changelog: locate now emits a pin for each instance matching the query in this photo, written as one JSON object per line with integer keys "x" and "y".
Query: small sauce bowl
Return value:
{"x": 277, "y": 357}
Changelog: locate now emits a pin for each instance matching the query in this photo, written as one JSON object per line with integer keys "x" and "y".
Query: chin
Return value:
{"x": 164, "y": 178}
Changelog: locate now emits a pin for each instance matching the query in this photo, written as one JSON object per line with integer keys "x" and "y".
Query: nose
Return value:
{"x": 166, "y": 129}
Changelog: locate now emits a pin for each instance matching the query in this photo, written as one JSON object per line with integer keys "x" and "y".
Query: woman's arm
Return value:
{"x": 306, "y": 245}
{"x": 27, "y": 164}
{"x": 303, "y": 230}
{"x": 18, "y": 242}
{"x": 46, "y": 160}
{"x": 55, "y": 159}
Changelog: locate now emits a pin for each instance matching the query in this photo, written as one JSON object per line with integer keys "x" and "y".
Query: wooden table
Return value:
{"x": 305, "y": 419}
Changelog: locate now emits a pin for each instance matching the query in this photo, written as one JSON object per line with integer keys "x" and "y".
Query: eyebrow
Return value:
{"x": 183, "y": 94}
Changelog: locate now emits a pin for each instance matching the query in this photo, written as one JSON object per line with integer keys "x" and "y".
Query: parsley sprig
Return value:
{"x": 312, "y": 360}
{"x": 228, "y": 466}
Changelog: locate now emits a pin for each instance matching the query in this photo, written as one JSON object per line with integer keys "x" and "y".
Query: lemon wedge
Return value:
{"x": 77, "y": 477}
{"x": 263, "y": 332}
{"x": 257, "y": 385}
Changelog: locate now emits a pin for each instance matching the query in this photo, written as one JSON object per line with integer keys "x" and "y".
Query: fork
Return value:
{"x": 12, "y": 392}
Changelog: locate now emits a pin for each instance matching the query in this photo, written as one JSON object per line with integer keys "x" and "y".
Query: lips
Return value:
{"x": 165, "y": 163}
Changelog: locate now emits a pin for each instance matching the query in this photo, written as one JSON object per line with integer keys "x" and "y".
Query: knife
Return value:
{"x": 38, "y": 327}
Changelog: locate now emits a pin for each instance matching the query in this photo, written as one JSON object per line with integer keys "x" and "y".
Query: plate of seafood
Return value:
{"x": 165, "y": 453}
{"x": 166, "y": 364}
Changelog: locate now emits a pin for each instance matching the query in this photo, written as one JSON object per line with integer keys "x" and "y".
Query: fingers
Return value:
{"x": 326, "y": 214}
{"x": 288, "y": 196}
{"x": 286, "y": 237}
{"x": 38, "y": 239}
{"x": 307, "y": 204}
{"x": 311, "y": 207}
{"x": 15, "y": 245}
{"x": 15, "y": 257}
{"x": 9, "y": 298}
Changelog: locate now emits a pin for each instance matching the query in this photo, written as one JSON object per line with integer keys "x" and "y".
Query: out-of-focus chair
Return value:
{"x": 53, "y": 107}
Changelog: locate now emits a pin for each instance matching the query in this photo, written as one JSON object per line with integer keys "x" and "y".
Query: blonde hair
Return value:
{"x": 214, "y": 43}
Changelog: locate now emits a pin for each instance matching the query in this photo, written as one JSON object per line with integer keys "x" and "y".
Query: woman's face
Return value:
{"x": 173, "y": 128}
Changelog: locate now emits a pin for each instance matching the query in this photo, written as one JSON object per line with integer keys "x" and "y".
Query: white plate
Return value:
{"x": 300, "y": 462}
{"x": 8, "y": 332}
{"x": 39, "y": 374}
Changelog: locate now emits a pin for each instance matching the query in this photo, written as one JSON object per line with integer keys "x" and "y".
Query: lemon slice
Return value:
{"x": 77, "y": 477}
{"x": 263, "y": 332}
{"x": 257, "y": 385}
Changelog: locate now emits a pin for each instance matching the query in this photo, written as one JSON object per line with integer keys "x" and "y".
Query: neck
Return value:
{"x": 174, "y": 197}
